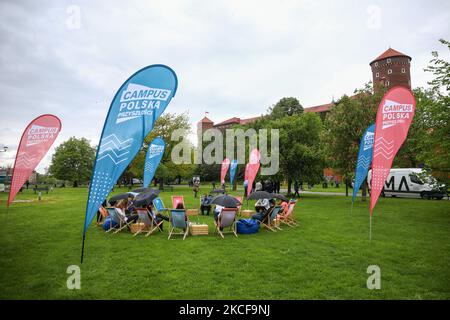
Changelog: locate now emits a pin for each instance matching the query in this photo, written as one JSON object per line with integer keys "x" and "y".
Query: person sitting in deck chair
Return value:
{"x": 121, "y": 207}
{"x": 205, "y": 204}
{"x": 263, "y": 209}
{"x": 158, "y": 217}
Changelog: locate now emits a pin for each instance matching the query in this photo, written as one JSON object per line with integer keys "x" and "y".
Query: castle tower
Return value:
{"x": 390, "y": 69}
{"x": 204, "y": 125}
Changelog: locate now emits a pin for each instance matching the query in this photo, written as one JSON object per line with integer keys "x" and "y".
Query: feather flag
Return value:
{"x": 364, "y": 159}
{"x": 153, "y": 157}
{"x": 136, "y": 106}
{"x": 394, "y": 117}
{"x": 36, "y": 140}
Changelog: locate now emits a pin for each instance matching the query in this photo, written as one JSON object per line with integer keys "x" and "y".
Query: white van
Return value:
{"x": 410, "y": 182}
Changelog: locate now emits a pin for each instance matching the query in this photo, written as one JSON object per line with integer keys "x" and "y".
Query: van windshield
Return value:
{"x": 415, "y": 179}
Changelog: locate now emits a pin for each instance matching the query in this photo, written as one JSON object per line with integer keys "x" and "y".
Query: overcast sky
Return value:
{"x": 232, "y": 58}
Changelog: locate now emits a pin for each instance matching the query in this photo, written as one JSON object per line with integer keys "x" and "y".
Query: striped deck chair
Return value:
{"x": 288, "y": 217}
{"x": 176, "y": 200}
{"x": 149, "y": 220}
{"x": 226, "y": 219}
{"x": 178, "y": 220}
{"x": 159, "y": 205}
{"x": 239, "y": 198}
{"x": 117, "y": 218}
{"x": 269, "y": 223}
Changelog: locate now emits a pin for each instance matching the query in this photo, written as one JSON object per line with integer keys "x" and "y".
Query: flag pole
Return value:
{"x": 82, "y": 248}
{"x": 370, "y": 228}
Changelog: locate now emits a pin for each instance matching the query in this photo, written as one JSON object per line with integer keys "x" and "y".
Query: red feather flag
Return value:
{"x": 224, "y": 170}
{"x": 253, "y": 167}
{"x": 36, "y": 140}
{"x": 394, "y": 117}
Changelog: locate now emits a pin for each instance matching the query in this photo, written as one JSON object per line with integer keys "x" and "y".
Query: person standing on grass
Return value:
{"x": 296, "y": 194}
{"x": 196, "y": 187}
{"x": 245, "y": 187}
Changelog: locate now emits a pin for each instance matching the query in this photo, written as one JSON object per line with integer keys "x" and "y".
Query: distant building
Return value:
{"x": 206, "y": 123}
{"x": 6, "y": 173}
{"x": 390, "y": 69}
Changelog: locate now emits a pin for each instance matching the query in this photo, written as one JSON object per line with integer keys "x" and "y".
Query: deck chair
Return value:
{"x": 271, "y": 221}
{"x": 239, "y": 198}
{"x": 178, "y": 220}
{"x": 176, "y": 200}
{"x": 226, "y": 219}
{"x": 287, "y": 217}
{"x": 117, "y": 218}
{"x": 159, "y": 205}
{"x": 101, "y": 215}
{"x": 149, "y": 220}
{"x": 268, "y": 218}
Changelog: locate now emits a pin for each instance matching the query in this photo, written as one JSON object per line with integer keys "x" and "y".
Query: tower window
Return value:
{"x": 389, "y": 71}
{"x": 387, "y": 83}
{"x": 389, "y": 60}
{"x": 377, "y": 74}
{"x": 376, "y": 64}
{"x": 403, "y": 70}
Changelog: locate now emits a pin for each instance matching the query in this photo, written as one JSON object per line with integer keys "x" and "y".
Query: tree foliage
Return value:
{"x": 285, "y": 107}
{"x": 73, "y": 161}
{"x": 345, "y": 125}
{"x": 164, "y": 127}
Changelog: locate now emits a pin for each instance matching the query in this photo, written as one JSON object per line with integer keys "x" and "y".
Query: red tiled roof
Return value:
{"x": 206, "y": 120}
{"x": 320, "y": 108}
{"x": 389, "y": 53}
{"x": 236, "y": 120}
{"x": 249, "y": 120}
{"x": 233, "y": 120}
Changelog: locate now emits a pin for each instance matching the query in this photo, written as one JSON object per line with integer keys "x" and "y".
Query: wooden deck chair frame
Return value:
{"x": 268, "y": 222}
{"x": 173, "y": 201}
{"x": 177, "y": 213}
{"x": 287, "y": 217}
{"x": 264, "y": 220}
{"x": 239, "y": 198}
{"x": 146, "y": 217}
{"x": 231, "y": 226}
{"x": 118, "y": 219}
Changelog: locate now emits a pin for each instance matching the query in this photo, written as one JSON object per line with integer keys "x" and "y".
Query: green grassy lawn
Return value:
{"x": 326, "y": 257}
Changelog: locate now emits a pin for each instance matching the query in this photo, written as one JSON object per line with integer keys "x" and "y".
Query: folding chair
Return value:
{"x": 103, "y": 214}
{"x": 267, "y": 220}
{"x": 287, "y": 217}
{"x": 226, "y": 218}
{"x": 178, "y": 219}
{"x": 150, "y": 222}
{"x": 159, "y": 205}
{"x": 176, "y": 200}
{"x": 117, "y": 218}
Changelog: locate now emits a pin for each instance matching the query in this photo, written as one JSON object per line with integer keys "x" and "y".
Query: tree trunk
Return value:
{"x": 235, "y": 184}
{"x": 346, "y": 186}
{"x": 161, "y": 183}
{"x": 364, "y": 191}
{"x": 289, "y": 186}
{"x": 75, "y": 184}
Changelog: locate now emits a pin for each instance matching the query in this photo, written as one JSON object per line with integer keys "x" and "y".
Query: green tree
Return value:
{"x": 73, "y": 161}
{"x": 300, "y": 157}
{"x": 167, "y": 170}
{"x": 344, "y": 127}
{"x": 285, "y": 107}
